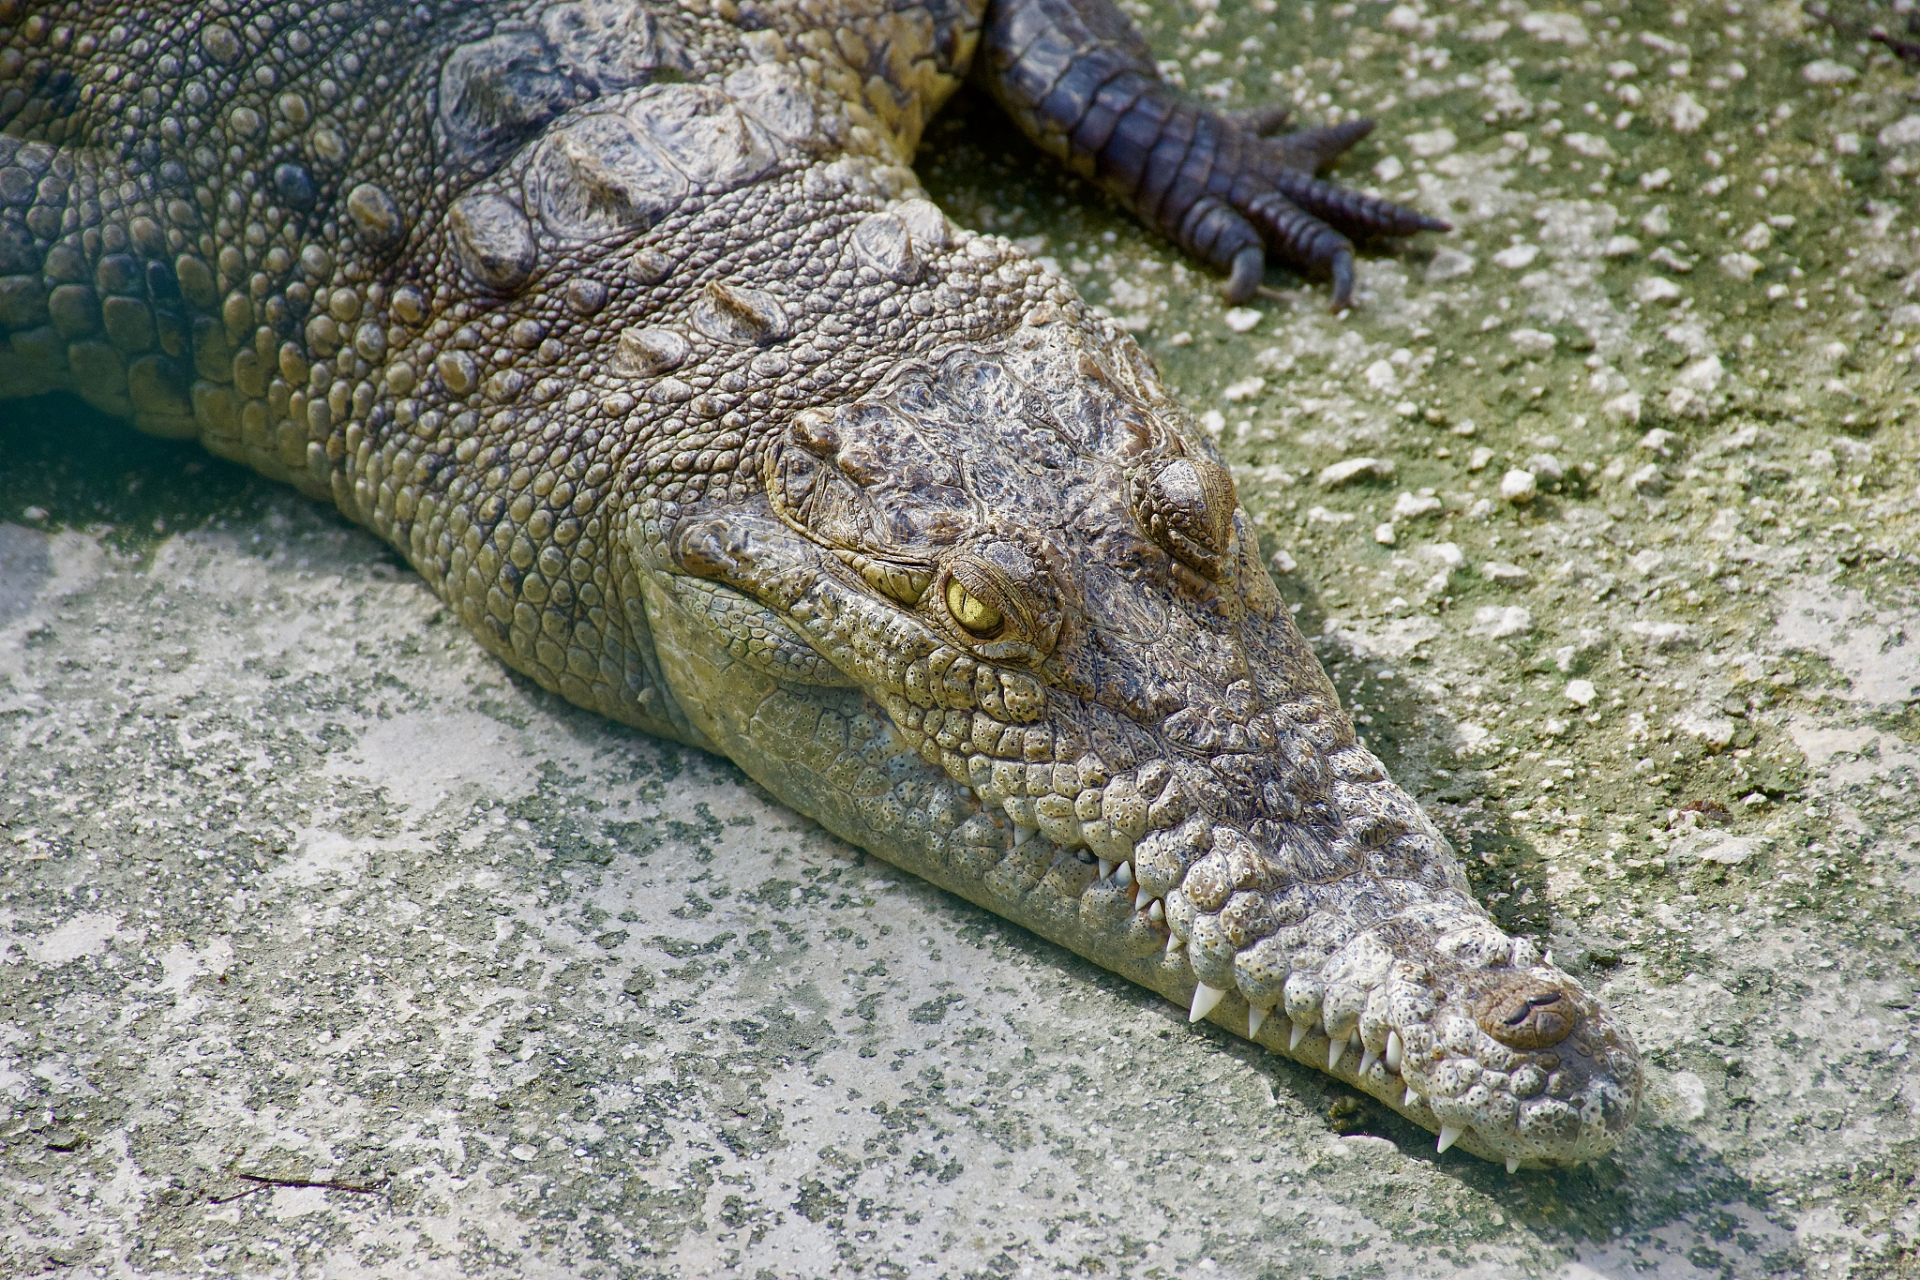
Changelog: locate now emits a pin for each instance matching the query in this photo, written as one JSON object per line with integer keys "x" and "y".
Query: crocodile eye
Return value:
{"x": 1000, "y": 602}
{"x": 971, "y": 612}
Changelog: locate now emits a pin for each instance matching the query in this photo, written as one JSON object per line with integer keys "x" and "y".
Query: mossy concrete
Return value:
{"x": 299, "y": 886}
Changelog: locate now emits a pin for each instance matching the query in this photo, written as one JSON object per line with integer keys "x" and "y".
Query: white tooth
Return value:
{"x": 1174, "y": 943}
{"x": 1336, "y": 1050}
{"x": 1204, "y": 999}
{"x": 1412, "y": 1099}
{"x": 1021, "y": 835}
{"x": 1449, "y": 1134}
{"x": 1156, "y": 911}
{"x": 1367, "y": 1058}
{"x": 1395, "y": 1052}
{"x": 1255, "y": 1016}
{"x": 1106, "y": 868}
{"x": 1549, "y": 959}
{"x": 1513, "y": 1164}
{"x": 1141, "y": 898}
{"x": 1124, "y": 876}
{"x": 1299, "y": 1034}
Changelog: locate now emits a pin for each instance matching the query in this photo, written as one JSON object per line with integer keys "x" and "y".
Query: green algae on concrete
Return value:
{"x": 1603, "y": 510}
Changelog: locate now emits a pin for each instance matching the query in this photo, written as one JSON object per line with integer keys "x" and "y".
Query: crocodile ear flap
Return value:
{"x": 1186, "y": 506}
{"x": 809, "y": 491}
{"x": 752, "y": 554}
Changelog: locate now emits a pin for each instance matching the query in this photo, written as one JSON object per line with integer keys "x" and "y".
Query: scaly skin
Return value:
{"x": 632, "y": 329}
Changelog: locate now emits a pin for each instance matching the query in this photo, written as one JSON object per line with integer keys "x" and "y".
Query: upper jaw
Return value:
{"x": 1354, "y": 946}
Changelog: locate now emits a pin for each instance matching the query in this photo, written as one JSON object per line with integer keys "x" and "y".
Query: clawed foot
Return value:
{"x": 1286, "y": 212}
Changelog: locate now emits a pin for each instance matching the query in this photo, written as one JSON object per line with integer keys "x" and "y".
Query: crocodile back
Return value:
{"x": 452, "y": 266}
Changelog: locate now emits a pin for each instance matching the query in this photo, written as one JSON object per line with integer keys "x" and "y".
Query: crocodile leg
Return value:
{"x": 1082, "y": 83}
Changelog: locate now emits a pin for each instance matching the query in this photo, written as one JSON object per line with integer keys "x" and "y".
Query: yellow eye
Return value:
{"x": 971, "y": 612}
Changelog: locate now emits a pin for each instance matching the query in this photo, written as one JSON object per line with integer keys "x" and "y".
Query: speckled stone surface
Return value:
{"x": 1603, "y": 508}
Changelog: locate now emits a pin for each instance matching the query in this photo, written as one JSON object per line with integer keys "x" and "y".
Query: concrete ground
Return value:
{"x": 329, "y": 948}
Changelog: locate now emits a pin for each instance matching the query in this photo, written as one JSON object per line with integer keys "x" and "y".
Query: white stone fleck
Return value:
{"x": 1518, "y": 487}
{"x": 1703, "y": 375}
{"x": 1664, "y": 635}
{"x": 1497, "y": 622}
{"x": 1411, "y": 506}
{"x": 1685, "y": 113}
{"x": 1432, "y": 144}
{"x": 1507, "y": 575}
{"x": 1556, "y": 28}
{"x": 1590, "y": 145}
{"x": 1623, "y": 408}
{"x": 1516, "y": 256}
{"x": 1825, "y": 71}
{"x": 1904, "y": 132}
{"x": 1449, "y": 264}
{"x": 1655, "y": 289}
{"x": 1346, "y": 472}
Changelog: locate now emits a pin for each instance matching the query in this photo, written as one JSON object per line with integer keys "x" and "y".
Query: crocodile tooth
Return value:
{"x": 1124, "y": 876}
{"x": 1141, "y": 898}
{"x": 1336, "y": 1050}
{"x": 1395, "y": 1052}
{"x": 1513, "y": 1162}
{"x": 1156, "y": 912}
{"x": 1106, "y": 868}
{"x": 1174, "y": 943}
{"x": 1367, "y": 1058}
{"x": 1021, "y": 835}
{"x": 1412, "y": 1099}
{"x": 1204, "y": 1000}
{"x": 1255, "y": 1016}
{"x": 1299, "y": 1034}
{"x": 1449, "y": 1134}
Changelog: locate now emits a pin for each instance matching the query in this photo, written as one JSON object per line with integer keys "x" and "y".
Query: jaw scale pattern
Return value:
{"x": 1150, "y": 767}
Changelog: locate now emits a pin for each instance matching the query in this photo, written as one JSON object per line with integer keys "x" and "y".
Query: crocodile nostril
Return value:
{"x": 1186, "y": 506}
{"x": 1524, "y": 1009}
{"x": 1532, "y": 1016}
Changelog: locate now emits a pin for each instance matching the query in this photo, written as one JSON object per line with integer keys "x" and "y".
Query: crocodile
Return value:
{"x": 629, "y": 325}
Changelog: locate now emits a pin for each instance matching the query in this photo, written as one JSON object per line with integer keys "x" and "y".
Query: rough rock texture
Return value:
{"x": 1730, "y": 572}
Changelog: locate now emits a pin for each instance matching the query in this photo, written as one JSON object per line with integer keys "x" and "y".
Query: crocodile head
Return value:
{"x": 1002, "y": 620}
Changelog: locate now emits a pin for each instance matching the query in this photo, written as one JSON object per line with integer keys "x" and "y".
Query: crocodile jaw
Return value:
{"x": 1169, "y": 789}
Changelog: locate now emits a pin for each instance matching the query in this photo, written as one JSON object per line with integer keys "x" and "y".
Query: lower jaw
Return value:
{"x": 853, "y": 773}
